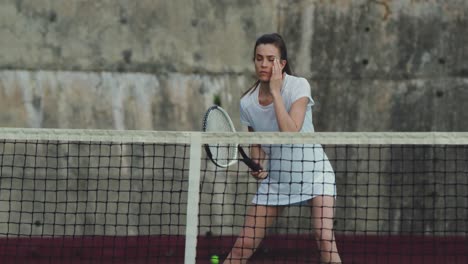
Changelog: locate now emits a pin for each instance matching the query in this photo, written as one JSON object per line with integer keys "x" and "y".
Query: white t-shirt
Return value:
{"x": 296, "y": 173}
{"x": 263, "y": 118}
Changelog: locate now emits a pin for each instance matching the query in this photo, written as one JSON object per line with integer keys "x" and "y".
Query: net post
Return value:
{"x": 191, "y": 231}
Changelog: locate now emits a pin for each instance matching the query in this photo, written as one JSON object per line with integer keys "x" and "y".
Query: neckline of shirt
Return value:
{"x": 257, "y": 90}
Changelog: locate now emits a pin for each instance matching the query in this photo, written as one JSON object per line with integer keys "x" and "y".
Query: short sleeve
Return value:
{"x": 302, "y": 89}
{"x": 243, "y": 116}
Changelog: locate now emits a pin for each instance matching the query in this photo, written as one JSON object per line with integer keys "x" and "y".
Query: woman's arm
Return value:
{"x": 293, "y": 120}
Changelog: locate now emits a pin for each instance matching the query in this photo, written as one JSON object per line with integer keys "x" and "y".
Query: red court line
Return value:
{"x": 357, "y": 249}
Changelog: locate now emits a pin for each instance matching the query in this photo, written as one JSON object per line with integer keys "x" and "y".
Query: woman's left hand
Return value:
{"x": 276, "y": 80}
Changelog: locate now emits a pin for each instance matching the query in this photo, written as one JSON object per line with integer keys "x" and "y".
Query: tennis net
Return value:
{"x": 97, "y": 196}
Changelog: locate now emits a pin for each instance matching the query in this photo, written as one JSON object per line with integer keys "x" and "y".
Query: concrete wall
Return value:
{"x": 374, "y": 65}
{"x": 157, "y": 65}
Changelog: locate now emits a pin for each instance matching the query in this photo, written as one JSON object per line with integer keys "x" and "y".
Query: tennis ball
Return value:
{"x": 214, "y": 259}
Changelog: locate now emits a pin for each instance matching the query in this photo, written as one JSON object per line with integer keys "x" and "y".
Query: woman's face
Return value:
{"x": 265, "y": 55}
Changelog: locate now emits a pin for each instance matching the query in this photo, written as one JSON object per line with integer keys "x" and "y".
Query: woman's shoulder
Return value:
{"x": 246, "y": 99}
{"x": 296, "y": 79}
{"x": 292, "y": 83}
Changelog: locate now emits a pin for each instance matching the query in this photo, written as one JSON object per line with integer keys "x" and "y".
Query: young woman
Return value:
{"x": 293, "y": 174}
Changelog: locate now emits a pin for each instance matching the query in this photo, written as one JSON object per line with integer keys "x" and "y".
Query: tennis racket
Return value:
{"x": 224, "y": 155}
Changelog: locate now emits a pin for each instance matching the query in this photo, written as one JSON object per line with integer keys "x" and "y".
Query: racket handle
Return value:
{"x": 248, "y": 161}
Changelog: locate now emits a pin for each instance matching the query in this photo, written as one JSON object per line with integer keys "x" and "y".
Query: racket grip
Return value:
{"x": 248, "y": 161}
{"x": 252, "y": 165}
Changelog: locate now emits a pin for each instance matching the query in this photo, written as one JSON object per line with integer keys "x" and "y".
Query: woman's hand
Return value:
{"x": 258, "y": 156}
{"x": 276, "y": 80}
{"x": 259, "y": 175}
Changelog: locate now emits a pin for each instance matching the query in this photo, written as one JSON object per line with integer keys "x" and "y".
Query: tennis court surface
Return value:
{"x": 95, "y": 196}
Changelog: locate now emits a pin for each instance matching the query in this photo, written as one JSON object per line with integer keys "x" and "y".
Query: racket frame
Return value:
{"x": 245, "y": 158}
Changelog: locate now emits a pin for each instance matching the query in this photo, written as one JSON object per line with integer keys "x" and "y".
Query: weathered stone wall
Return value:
{"x": 108, "y": 100}
{"x": 387, "y": 65}
{"x": 374, "y": 65}
{"x": 89, "y": 54}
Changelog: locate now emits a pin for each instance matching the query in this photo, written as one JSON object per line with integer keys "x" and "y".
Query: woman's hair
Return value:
{"x": 277, "y": 41}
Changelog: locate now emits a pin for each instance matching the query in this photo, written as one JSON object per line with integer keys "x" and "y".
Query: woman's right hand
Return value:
{"x": 258, "y": 157}
{"x": 259, "y": 175}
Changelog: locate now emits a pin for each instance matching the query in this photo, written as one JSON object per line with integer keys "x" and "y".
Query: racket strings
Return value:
{"x": 223, "y": 154}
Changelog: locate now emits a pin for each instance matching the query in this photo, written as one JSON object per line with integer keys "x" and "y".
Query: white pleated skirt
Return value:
{"x": 296, "y": 173}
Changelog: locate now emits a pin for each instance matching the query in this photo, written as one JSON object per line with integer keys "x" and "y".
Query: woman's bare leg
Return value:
{"x": 322, "y": 217}
{"x": 257, "y": 220}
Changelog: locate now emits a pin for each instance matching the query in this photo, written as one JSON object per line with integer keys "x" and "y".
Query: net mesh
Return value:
{"x": 122, "y": 197}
